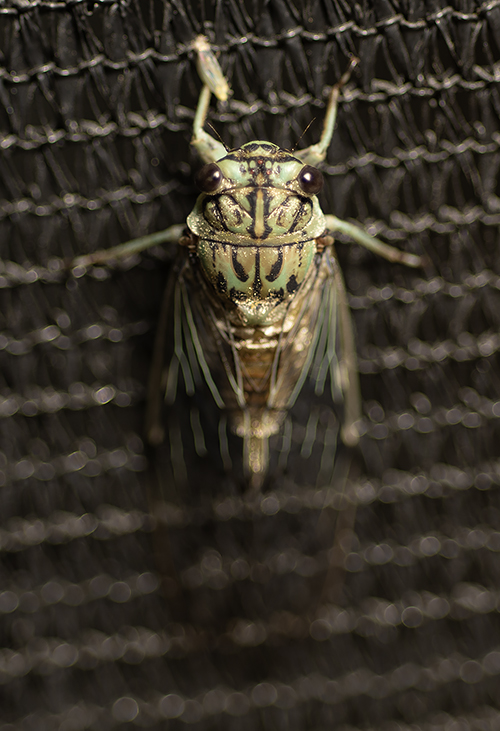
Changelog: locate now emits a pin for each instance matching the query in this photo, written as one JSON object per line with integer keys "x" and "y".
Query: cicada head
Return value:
{"x": 256, "y": 222}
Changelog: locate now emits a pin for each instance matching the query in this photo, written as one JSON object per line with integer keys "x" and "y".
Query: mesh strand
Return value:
{"x": 96, "y": 105}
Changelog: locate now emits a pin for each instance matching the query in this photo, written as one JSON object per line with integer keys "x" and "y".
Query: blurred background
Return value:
{"x": 96, "y": 107}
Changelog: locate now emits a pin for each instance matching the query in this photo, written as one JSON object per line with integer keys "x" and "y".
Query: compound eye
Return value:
{"x": 208, "y": 178}
{"x": 310, "y": 180}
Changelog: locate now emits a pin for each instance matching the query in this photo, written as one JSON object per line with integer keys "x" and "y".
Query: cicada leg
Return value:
{"x": 170, "y": 235}
{"x": 209, "y": 69}
{"x": 360, "y": 236}
{"x": 208, "y": 148}
{"x": 316, "y": 153}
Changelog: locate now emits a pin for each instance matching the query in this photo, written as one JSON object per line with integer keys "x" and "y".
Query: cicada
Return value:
{"x": 255, "y": 309}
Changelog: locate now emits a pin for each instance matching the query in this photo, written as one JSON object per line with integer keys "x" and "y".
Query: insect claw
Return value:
{"x": 413, "y": 260}
{"x": 353, "y": 62}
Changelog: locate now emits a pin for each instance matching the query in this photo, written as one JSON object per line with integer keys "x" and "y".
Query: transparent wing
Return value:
{"x": 324, "y": 403}
{"x": 335, "y": 352}
{"x": 186, "y": 417}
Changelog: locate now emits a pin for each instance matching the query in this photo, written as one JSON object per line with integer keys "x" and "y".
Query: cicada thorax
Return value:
{"x": 256, "y": 229}
{"x": 253, "y": 236}
{"x": 257, "y": 281}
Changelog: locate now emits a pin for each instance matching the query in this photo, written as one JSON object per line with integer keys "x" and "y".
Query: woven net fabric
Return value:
{"x": 96, "y": 108}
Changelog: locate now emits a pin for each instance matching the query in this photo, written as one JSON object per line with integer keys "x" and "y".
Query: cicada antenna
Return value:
{"x": 227, "y": 149}
{"x": 303, "y": 133}
{"x": 353, "y": 62}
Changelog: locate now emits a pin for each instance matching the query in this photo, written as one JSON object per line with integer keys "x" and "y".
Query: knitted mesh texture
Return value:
{"x": 96, "y": 109}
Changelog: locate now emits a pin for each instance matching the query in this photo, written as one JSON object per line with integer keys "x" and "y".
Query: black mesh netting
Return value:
{"x": 96, "y": 103}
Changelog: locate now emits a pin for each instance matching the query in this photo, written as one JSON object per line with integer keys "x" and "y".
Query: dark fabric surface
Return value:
{"x": 96, "y": 104}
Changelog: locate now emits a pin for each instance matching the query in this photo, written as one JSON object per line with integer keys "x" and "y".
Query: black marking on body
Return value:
{"x": 254, "y": 146}
{"x": 265, "y": 152}
{"x": 276, "y": 267}
{"x": 221, "y": 283}
{"x": 292, "y": 285}
{"x": 284, "y": 212}
{"x": 257, "y": 282}
{"x": 235, "y": 209}
{"x": 236, "y": 296}
{"x": 215, "y": 210}
{"x": 217, "y": 242}
{"x": 238, "y": 268}
{"x": 300, "y": 214}
{"x": 278, "y": 295}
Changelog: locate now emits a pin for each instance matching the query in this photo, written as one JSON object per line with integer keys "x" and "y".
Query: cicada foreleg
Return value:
{"x": 207, "y": 147}
{"x": 209, "y": 69}
{"x": 315, "y": 154}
